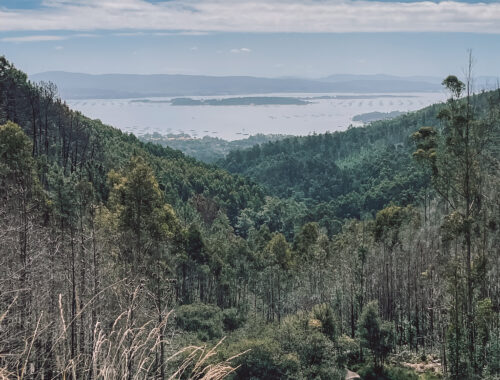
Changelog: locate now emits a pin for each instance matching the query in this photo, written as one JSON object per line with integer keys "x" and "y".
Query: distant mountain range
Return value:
{"x": 106, "y": 86}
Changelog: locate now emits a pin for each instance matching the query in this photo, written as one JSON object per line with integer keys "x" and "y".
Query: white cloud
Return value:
{"x": 36, "y": 38}
{"x": 58, "y": 47}
{"x": 129, "y": 34}
{"x": 85, "y": 35}
{"x": 160, "y": 34}
{"x": 181, "y": 33}
{"x": 41, "y": 38}
{"x": 307, "y": 16}
{"x": 240, "y": 50}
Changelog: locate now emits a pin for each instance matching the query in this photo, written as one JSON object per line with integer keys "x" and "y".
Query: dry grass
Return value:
{"x": 122, "y": 351}
{"x": 197, "y": 364}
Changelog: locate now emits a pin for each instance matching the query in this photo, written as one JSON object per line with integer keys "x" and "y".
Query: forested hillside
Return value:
{"x": 207, "y": 149}
{"x": 347, "y": 174}
{"x": 121, "y": 259}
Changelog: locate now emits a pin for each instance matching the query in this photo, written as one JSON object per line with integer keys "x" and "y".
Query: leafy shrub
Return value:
{"x": 348, "y": 349}
{"x": 324, "y": 314}
{"x": 387, "y": 373}
{"x": 204, "y": 320}
{"x": 375, "y": 334}
{"x": 265, "y": 360}
{"x": 299, "y": 348}
{"x": 232, "y": 319}
{"x": 318, "y": 358}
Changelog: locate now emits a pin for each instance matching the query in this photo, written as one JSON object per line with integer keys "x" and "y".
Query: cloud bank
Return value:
{"x": 254, "y": 16}
{"x": 36, "y": 38}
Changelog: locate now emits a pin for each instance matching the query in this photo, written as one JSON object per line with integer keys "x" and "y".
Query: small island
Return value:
{"x": 376, "y": 116}
{"x": 239, "y": 101}
{"x": 150, "y": 101}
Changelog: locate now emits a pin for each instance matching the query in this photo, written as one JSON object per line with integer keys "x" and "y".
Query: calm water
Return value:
{"x": 234, "y": 122}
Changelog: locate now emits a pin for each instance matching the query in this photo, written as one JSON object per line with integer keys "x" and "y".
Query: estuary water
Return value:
{"x": 324, "y": 112}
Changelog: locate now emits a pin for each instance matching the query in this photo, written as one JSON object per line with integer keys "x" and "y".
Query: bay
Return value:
{"x": 319, "y": 114}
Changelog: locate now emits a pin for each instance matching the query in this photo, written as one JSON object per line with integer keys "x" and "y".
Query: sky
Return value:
{"x": 304, "y": 38}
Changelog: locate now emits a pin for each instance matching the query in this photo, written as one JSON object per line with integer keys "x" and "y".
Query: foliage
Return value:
{"x": 387, "y": 373}
{"x": 103, "y": 236}
{"x": 375, "y": 334}
{"x": 296, "y": 349}
{"x": 204, "y": 320}
{"x": 233, "y": 319}
{"x": 207, "y": 149}
{"x": 345, "y": 174}
{"x": 324, "y": 314}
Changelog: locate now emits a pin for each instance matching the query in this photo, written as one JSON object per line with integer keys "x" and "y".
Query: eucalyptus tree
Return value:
{"x": 148, "y": 233}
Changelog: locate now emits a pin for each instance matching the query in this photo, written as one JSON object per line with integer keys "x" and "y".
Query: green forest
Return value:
{"x": 375, "y": 250}
{"x": 207, "y": 149}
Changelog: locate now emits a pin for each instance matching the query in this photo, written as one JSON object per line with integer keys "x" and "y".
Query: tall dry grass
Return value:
{"x": 123, "y": 350}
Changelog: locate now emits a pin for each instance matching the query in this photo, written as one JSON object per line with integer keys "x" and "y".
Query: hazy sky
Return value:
{"x": 311, "y": 38}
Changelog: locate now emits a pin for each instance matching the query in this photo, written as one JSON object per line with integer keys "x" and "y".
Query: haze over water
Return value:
{"x": 236, "y": 122}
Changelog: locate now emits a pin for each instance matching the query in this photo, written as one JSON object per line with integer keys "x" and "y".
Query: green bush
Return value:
{"x": 298, "y": 348}
{"x": 265, "y": 360}
{"x": 348, "y": 351}
{"x": 387, "y": 373}
{"x": 232, "y": 319}
{"x": 375, "y": 334}
{"x": 318, "y": 357}
{"x": 305, "y": 335}
{"x": 324, "y": 314}
{"x": 204, "y": 320}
